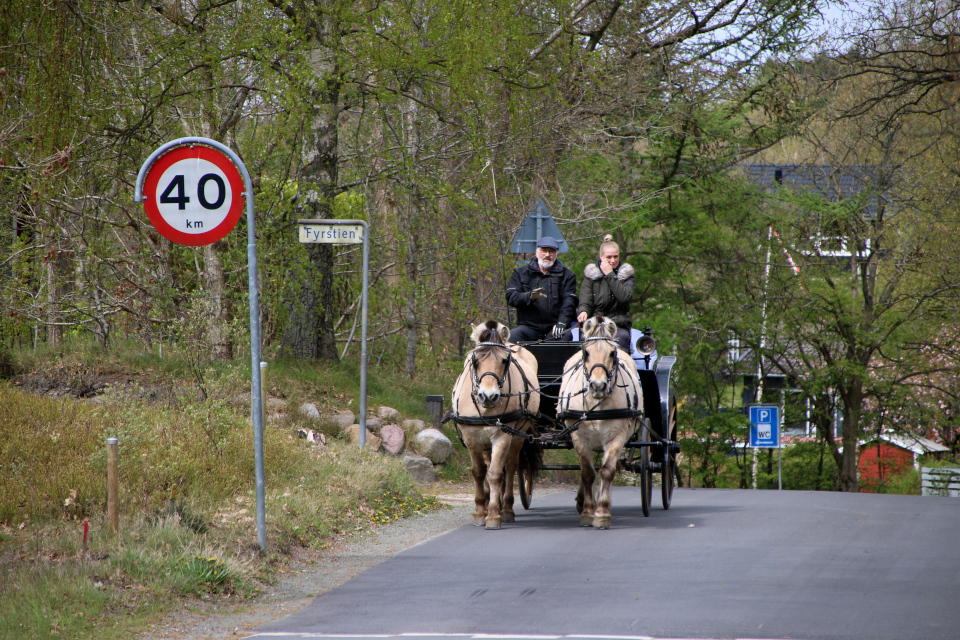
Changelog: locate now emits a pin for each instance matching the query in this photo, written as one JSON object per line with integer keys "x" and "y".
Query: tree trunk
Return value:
{"x": 310, "y": 333}
{"x": 218, "y": 304}
{"x": 411, "y": 134}
{"x": 54, "y": 330}
{"x": 52, "y": 277}
{"x": 852, "y": 407}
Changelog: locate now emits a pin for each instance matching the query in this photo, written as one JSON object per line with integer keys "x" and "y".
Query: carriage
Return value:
{"x": 651, "y": 449}
{"x": 512, "y": 401}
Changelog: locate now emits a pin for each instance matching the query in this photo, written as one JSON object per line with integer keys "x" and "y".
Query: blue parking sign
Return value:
{"x": 764, "y": 426}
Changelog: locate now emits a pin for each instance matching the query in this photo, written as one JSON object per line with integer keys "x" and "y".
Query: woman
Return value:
{"x": 607, "y": 290}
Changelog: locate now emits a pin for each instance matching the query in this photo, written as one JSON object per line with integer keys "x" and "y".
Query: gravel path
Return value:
{"x": 309, "y": 576}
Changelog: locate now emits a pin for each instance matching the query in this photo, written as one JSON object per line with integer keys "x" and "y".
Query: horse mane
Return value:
{"x": 595, "y": 327}
{"x": 489, "y": 334}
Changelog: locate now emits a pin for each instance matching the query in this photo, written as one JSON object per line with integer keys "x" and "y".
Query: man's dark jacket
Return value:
{"x": 560, "y": 286}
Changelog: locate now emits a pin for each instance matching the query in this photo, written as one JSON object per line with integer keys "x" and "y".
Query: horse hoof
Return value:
{"x": 601, "y": 522}
{"x": 493, "y": 523}
{"x": 509, "y": 516}
{"x": 479, "y": 521}
{"x": 586, "y": 521}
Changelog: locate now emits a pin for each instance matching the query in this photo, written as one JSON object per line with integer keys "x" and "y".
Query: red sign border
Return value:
{"x": 187, "y": 152}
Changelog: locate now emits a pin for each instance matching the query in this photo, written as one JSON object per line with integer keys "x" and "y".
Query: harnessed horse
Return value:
{"x": 497, "y": 387}
{"x": 600, "y": 394}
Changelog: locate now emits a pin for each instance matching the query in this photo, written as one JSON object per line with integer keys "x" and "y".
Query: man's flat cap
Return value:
{"x": 548, "y": 242}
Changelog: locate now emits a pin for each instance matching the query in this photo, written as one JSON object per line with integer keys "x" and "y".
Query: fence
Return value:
{"x": 940, "y": 481}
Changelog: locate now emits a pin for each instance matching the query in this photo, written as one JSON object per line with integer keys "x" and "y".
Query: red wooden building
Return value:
{"x": 891, "y": 454}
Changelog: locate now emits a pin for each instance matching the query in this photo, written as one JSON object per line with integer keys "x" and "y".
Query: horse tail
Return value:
{"x": 531, "y": 457}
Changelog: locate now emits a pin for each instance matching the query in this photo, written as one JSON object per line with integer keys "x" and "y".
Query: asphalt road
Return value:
{"x": 718, "y": 564}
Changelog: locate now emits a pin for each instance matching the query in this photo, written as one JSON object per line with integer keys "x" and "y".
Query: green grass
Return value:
{"x": 185, "y": 435}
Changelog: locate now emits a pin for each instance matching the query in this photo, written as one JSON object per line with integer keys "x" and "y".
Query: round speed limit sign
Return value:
{"x": 193, "y": 195}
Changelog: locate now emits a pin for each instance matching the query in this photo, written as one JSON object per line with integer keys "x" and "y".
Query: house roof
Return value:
{"x": 833, "y": 182}
{"x": 916, "y": 444}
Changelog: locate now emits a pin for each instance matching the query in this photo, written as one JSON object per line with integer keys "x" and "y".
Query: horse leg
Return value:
{"x": 478, "y": 468}
{"x": 501, "y": 447}
{"x": 608, "y": 471}
{"x": 510, "y": 471}
{"x": 585, "y": 502}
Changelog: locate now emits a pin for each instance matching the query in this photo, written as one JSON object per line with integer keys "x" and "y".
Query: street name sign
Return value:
{"x": 320, "y": 231}
{"x": 764, "y": 426}
{"x": 332, "y": 233}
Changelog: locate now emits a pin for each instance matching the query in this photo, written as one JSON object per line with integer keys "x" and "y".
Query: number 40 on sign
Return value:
{"x": 193, "y": 195}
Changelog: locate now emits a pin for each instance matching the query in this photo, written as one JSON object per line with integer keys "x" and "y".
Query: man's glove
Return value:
{"x": 558, "y": 330}
{"x": 537, "y": 293}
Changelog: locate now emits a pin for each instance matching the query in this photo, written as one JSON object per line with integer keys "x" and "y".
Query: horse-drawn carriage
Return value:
{"x": 652, "y": 449}
{"x": 513, "y": 401}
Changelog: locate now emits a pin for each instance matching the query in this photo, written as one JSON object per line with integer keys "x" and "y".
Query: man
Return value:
{"x": 607, "y": 290}
{"x": 544, "y": 293}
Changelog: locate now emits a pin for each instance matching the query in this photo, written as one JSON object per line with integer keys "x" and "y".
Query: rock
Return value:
{"x": 374, "y": 423}
{"x": 393, "y": 438}
{"x": 344, "y": 419}
{"x": 353, "y": 432}
{"x": 434, "y": 445}
{"x": 310, "y": 410}
{"x": 388, "y": 413}
{"x": 277, "y": 405}
{"x": 419, "y": 468}
{"x": 415, "y": 426}
{"x": 276, "y": 417}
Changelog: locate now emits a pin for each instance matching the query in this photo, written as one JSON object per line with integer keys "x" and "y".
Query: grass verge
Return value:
{"x": 187, "y": 528}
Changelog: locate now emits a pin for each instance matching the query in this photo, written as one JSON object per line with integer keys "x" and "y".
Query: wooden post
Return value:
{"x": 113, "y": 487}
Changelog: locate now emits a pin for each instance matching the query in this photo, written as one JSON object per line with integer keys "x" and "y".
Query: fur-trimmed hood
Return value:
{"x": 592, "y": 271}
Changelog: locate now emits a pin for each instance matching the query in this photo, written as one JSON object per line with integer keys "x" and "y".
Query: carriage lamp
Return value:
{"x": 645, "y": 343}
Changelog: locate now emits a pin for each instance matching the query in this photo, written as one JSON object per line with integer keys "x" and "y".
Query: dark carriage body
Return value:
{"x": 654, "y": 372}
{"x": 642, "y": 455}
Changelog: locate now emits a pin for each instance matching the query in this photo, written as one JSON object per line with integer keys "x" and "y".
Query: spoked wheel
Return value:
{"x": 646, "y": 475}
{"x": 525, "y": 481}
{"x": 669, "y": 458}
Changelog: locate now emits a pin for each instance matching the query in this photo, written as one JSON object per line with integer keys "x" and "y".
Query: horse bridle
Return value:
{"x": 501, "y": 379}
{"x": 611, "y": 375}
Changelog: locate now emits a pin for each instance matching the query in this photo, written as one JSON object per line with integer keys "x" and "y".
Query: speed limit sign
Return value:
{"x": 193, "y": 195}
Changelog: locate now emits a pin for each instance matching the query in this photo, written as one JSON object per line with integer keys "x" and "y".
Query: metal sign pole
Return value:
{"x": 319, "y": 235}
{"x": 255, "y": 399}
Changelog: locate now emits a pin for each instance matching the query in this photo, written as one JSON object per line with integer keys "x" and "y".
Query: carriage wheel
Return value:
{"x": 525, "y": 481}
{"x": 646, "y": 475}
{"x": 669, "y": 458}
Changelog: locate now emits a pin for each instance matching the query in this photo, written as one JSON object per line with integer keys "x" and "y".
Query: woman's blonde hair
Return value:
{"x": 608, "y": 243}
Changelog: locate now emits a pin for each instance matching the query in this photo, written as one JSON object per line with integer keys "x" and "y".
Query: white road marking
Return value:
{"x": 472, "y": 636}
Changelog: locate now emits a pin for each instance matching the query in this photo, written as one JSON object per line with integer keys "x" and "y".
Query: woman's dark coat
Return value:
{"x": 607, "y": 295}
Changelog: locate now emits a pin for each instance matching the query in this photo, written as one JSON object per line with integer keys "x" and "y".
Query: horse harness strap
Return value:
{"x": 600, "y": 414}
{"x": 488, "y": 421}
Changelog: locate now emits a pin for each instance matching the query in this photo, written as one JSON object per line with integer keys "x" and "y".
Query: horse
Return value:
{"x": 601, "y": 391}
{"x": 498, "y": 386}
